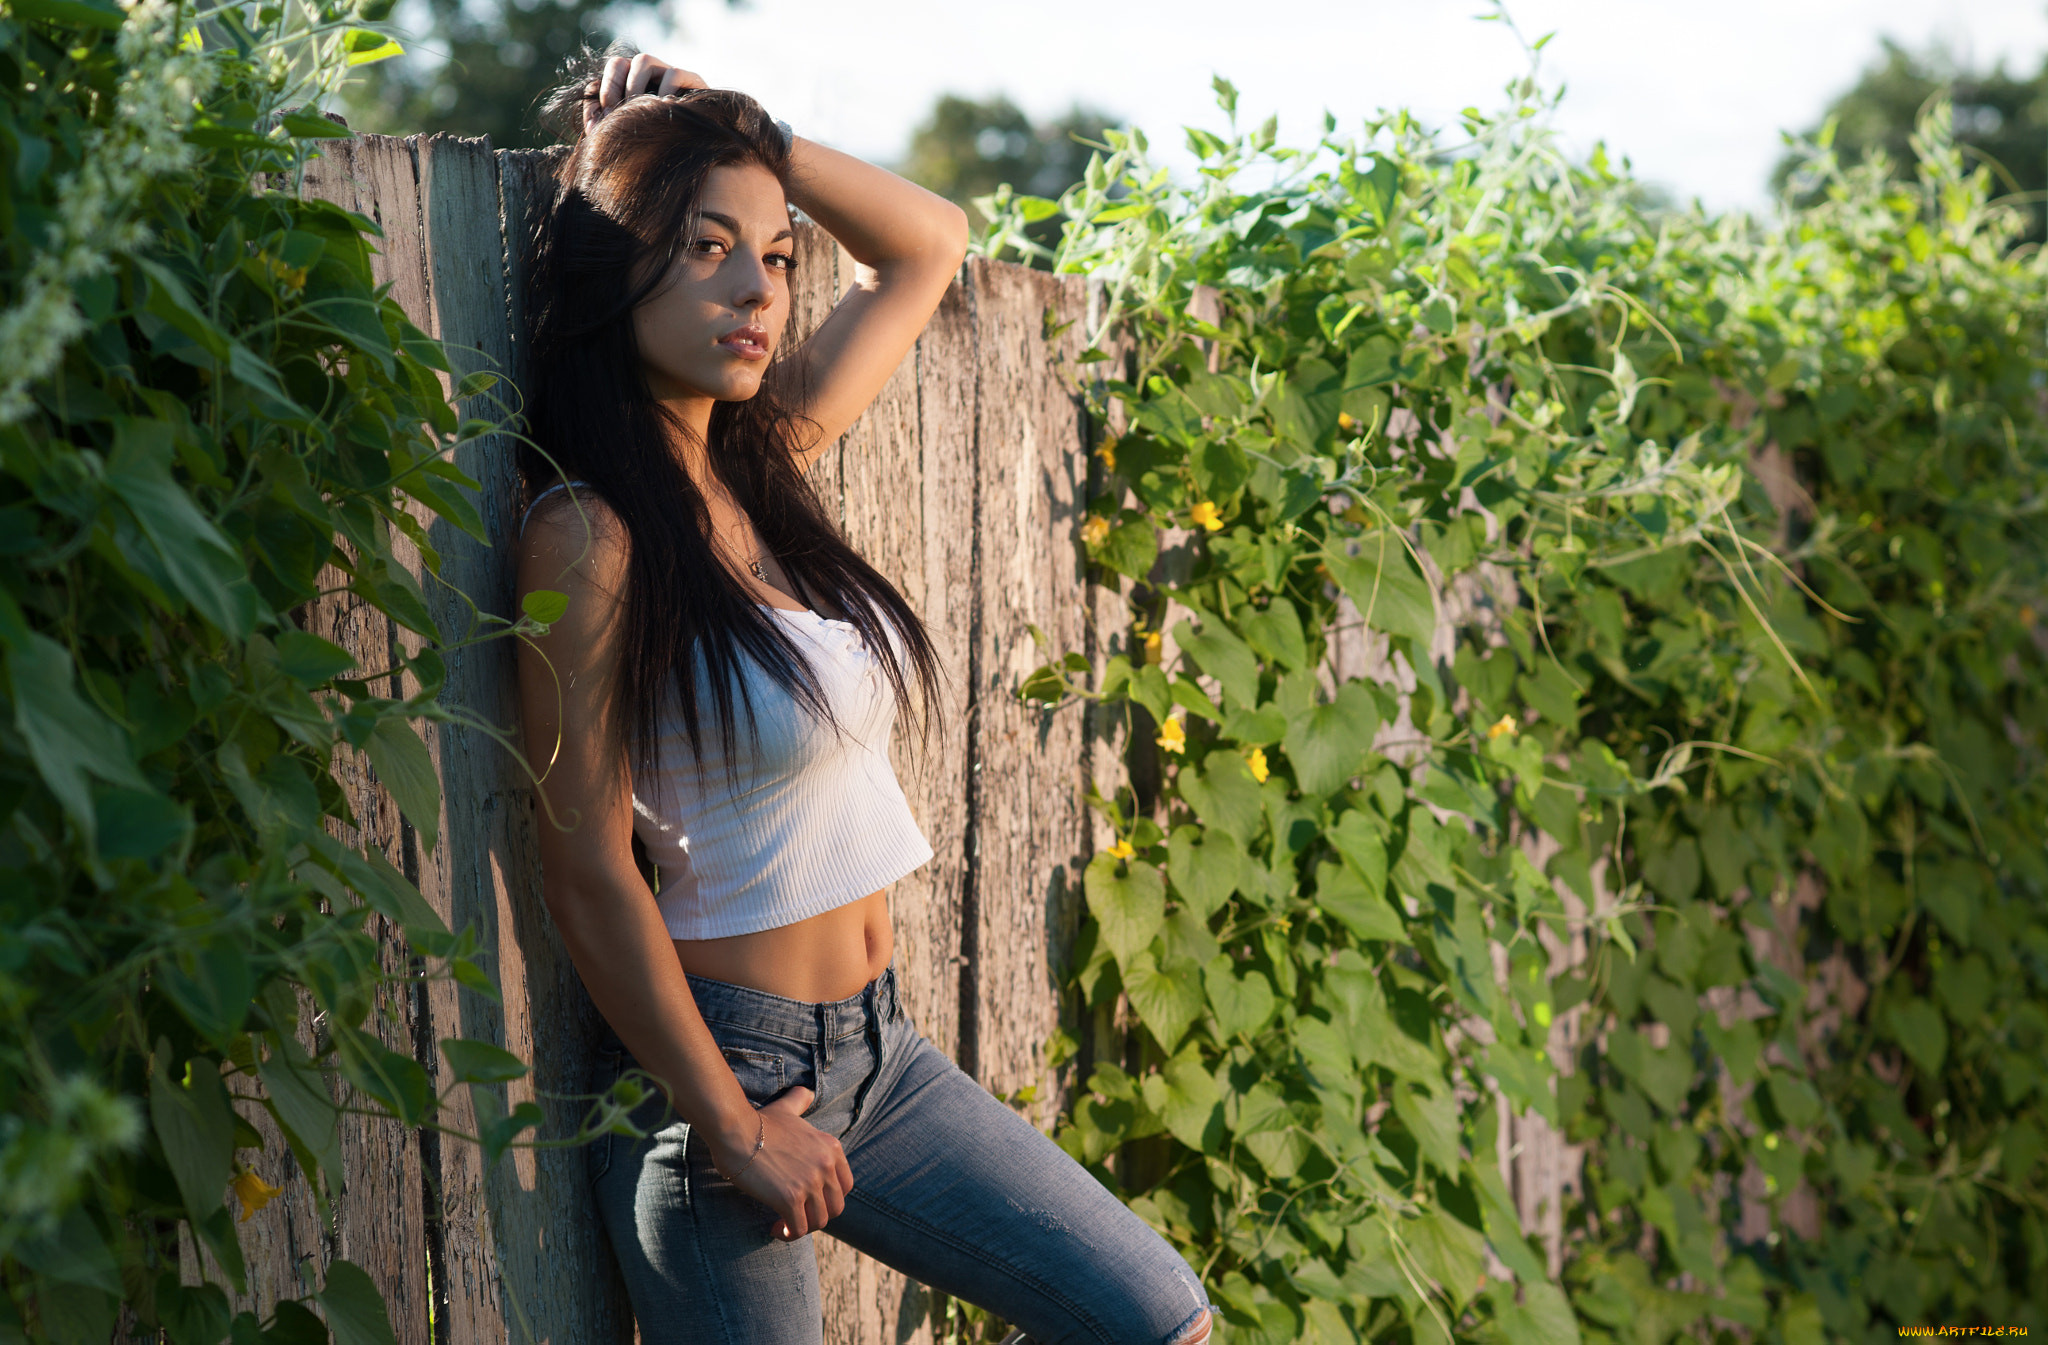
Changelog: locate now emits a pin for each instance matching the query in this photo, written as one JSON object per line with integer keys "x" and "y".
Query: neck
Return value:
{"x": 692, "y": 413}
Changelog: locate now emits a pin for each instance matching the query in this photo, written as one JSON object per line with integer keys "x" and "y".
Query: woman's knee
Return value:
{"x": 1196, "y": 1332}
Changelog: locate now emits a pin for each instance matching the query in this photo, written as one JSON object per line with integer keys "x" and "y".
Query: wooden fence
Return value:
{"x": 963, "y": 483}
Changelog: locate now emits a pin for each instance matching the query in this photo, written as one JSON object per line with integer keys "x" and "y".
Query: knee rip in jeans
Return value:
{"x": 1196, "y": 1331}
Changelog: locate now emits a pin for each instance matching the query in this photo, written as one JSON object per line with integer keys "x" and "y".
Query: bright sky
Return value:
{"x": 1695, "y": 93}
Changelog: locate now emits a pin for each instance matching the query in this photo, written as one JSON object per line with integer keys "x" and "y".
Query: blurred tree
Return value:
{"x": 2002, "y": 119}
{"x": 479, "y": 67}
{"x": 967, "y": 149}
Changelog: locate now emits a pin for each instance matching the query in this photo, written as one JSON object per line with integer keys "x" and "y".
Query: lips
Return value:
{"x": 749, "y": 342}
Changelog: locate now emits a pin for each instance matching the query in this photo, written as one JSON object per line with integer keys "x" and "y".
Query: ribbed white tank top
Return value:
{"x": 808, "y": 817}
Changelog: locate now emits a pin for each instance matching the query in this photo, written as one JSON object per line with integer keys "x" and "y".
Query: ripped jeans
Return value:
{"x": 951, "y": 1187}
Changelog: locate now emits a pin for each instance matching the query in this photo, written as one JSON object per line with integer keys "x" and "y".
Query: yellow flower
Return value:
{"x": 1122, "y": 850}
{"x": 1151, "y": 646}
{"x": 1504, "y": 727}
{"x": 2027, "y": 617}
{"x": 253, "y": 1192}
{"x": 1095, "y": 531}
{"x": 1173, "y": 736}
{"x": 1204, "y": 514}
{"x": 1106, "y": 450}
{"x": 1344, "y": 421}
{"x": 1255, "y": 762}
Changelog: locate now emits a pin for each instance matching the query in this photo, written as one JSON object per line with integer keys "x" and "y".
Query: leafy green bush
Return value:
{"x": 210, "y": 417}
{"x": 1584, "y": 662}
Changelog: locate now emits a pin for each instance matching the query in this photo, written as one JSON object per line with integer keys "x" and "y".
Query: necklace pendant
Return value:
{"x": 755, "y": 566}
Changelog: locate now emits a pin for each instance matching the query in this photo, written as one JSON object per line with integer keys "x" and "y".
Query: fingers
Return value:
{"x": 624, "y": 77}
{"x": 845, "y": 1176}
{"x": 792, "y": 1100}
{"x": 640, "y": 75}
{"x": 679, "y": 78}
{"x": 611, "y": 85}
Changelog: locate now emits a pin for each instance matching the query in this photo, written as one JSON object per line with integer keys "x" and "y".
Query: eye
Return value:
{"x": 708, "y": 247}
{"x": 782, "y": 261}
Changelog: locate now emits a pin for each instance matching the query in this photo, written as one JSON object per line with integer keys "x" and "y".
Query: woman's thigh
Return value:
{"x": 957, "y": 1191}
{"x": 697, "y": 1255}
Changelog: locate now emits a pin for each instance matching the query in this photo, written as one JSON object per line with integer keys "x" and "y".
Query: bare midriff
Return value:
{"x": 828, "y": 957}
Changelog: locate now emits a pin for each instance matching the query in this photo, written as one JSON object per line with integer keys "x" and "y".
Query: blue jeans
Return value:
{"x": 950, "y": 1187}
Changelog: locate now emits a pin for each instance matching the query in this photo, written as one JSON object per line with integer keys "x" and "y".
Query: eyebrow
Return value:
{"x": 734, "y": 225}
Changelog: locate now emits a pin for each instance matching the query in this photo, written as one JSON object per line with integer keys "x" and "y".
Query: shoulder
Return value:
{"x": 573, "y": 541}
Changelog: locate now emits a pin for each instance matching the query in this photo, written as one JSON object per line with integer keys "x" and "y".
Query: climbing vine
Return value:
{"x": 1582, "y": 664}
{"x": 211, "y": 416}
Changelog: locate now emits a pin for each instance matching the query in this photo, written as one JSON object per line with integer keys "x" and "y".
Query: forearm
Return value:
{"x": 616, "y": 938}
{"x": 886, "y": 222}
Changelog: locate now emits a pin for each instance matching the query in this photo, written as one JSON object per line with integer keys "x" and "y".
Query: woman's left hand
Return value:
{"x": 642, "y": 74}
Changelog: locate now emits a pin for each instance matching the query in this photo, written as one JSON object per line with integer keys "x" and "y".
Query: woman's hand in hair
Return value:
{"x": 800, "y": 1172}
{"x": 622, "y": 78}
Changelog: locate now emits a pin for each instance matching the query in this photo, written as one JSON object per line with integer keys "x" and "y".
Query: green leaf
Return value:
{"x": 1184, "y": 1095}
{"x": 1390, "y": 592}
{"x": 365, "y": 46}
{"x": 1360, "y": 905}
{"x": 395, "y": 1080}
{"x": 405, "y": 768}
{"x": 1224, "y": 796}
{"x": 1524, "y": 1074}
{"x": 196, "y": 1127}
{"x": 298, "y": 1097}
{"x": 1448, "y": 1251}
{"x": 1132, "y": 546}
{"x": 1327, "y": 1052}
{"x": 1241, "y": 1003}
{"x": 1203, "y": 866}
{"x": 66, "y": 738}
{"x": 76, "y": 13}
{"x": 310, "y": 126}
{"x": 1224, "y": 657}
{"x": 355, "y": 1310}
{"x": 545, "y": 606}
{"x": 1796, "y": 1100}
{"x": 171, "y": 301}
{"x": 1433, "y": 1121}
{"x": 386, "y": 890}
{"x": 1331, "y": 743}
{"x": 480, "y": 1062}
{"x": 311, "y": 661}
{"x": 211, "y": 982}
{"x": 1167, "y": 1000}
{"x": 1128, "y": 902}
{"x": 203, "y": 565}
{"x": 1918, "y": 1028}
{"x": 76, "y": 1253}
{"x": 138, "y": 824}
{"x": 1543, "y": 1317}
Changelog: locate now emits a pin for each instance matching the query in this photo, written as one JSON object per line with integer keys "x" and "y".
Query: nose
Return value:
{"x": 754, "y": 284}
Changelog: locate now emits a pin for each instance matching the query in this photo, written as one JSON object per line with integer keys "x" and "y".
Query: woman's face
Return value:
{"x": 709, "y": 329}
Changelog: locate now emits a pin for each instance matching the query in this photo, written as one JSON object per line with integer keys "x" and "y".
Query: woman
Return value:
{"x": 724, "y": 686}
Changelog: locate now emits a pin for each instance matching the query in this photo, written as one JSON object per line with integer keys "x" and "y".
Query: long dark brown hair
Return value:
{"x": 626, "y": 208}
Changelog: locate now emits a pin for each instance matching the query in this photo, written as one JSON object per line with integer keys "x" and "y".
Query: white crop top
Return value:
{"x": 809, "y": 818}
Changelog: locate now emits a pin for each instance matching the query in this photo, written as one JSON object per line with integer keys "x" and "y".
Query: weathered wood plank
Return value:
{"x": 549, "y": 1221}
{"x": 1030, "y": 830}
{"x": 380, "y": 1216}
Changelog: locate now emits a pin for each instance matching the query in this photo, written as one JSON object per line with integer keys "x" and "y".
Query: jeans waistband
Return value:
{"x": 739, "y": 1005}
